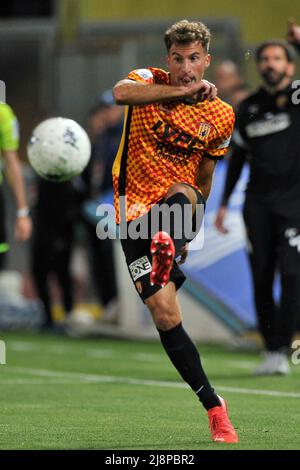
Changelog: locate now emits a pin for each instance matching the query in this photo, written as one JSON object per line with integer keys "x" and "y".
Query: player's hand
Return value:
{"x": 23, "y": 229}
{"x": 293, "y": 33}
{"x": 183, "y": 254}
{"x": 208, "y": 90}
{"x": 201, "y": 91}
{"x": 219, "y": 220}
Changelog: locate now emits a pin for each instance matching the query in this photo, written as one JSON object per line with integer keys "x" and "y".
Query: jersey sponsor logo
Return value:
{"x": 172, "y": 153}
{"x": 140, "y": 267}
{"x": 204, "y": 130}
{"x": 271, "y": 124}
{"x": 168, "y": 133}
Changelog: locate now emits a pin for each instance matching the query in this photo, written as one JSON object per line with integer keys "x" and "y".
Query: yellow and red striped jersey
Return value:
{"x": 164, "y": 143}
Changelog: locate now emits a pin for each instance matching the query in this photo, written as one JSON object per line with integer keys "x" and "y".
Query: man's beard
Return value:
{"x": 273, "y": 79}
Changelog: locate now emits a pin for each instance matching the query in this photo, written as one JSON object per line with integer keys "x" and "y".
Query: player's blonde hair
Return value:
{"x": 185, "y": 32}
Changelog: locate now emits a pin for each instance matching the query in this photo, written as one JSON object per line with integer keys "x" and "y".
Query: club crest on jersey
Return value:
{"x": 204, "y": 130}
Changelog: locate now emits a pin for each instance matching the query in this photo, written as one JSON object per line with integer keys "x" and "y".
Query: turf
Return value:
{"x": 64, "y": 393}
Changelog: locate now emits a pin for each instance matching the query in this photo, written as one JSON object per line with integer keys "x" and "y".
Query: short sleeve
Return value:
{"x": 141, "y": 75}
{"x": 221, "y": 135}
{"x": 150, "y": 75}
{"x": 9, "y": 129}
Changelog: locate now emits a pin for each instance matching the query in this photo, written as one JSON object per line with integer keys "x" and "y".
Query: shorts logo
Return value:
{"x": 204, "y": 130}
{"x": 140, "y": 267}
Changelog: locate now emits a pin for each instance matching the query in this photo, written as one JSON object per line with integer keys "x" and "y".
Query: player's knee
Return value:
{"x": 163, "y": 316}
{"x": 165, "y": 322}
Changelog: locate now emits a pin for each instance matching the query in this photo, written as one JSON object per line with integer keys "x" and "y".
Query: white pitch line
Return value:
{"x": 242, "y": 364}
{"x": 20, "y": 346}
{"x": 100, "y": 353}
{"x": 149, "y": 357}
{"x": 93, "y": 378}
{"x": 95, "y": 353}
{"x": 38, "y": 382}
{"x": 252, "y": 391}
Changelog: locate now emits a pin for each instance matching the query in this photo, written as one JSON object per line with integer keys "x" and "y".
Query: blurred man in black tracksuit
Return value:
{"x": 106, "y": 124}
{"x": 267, "y": 136}
{"x": 55, "y": 215}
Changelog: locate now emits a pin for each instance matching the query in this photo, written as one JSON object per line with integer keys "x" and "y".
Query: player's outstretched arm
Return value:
{"x": 23, "y": 224}
{"x": 129, "y": 92}
{"x": 234, "y": 170}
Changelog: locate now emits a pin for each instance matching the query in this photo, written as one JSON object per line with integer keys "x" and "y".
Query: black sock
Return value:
{"x": 185, "y": 357}
{"x": 179, "y": 226}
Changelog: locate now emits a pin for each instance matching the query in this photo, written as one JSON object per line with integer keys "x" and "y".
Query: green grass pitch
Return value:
{"x": 63, "y": 393}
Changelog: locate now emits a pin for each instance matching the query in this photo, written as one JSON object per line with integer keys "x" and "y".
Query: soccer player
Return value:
{"x": 174, "y": 132}
{"x": 9, "y": 142}
{"x": 267, "y": 135}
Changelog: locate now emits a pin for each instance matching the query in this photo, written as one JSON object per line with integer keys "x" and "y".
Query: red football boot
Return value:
{"x": 163, "y": 253}
{"x": 220, "y": 426}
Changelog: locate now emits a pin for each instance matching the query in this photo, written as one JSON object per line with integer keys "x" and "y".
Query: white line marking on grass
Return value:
{"x": 148, "y": 357}
{"x": 99, "y": 353}
{"x": 57, "y": 349}
{"x": 39, "y": 382}
{"x": 93, "y": 378}
{"x": 241, "y": 364}
{"x": 144, "y": 357}
{"x": 20, "y": 346}
{"x": 252, "y": 391}
{"x": 95, "y": 353}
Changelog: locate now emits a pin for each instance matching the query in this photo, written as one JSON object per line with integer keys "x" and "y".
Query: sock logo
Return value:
{"x": 140, "y": 267}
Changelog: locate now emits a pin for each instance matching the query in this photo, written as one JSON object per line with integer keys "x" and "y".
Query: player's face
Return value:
{"x": 187, "y": 63}
{"x": 273, "y": 65}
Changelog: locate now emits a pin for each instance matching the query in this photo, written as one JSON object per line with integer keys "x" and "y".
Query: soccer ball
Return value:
{"x": 59, "y": 149}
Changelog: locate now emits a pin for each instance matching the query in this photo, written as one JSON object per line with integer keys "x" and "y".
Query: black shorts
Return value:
{"x": 138, "y": 257}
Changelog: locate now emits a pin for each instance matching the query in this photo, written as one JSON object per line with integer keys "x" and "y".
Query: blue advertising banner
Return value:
{"x": 221, "y": 264}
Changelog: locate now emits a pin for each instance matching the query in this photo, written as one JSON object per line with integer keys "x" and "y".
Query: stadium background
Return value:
{"x": 66, "y": 53}
{"x": 63, "y": 393}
